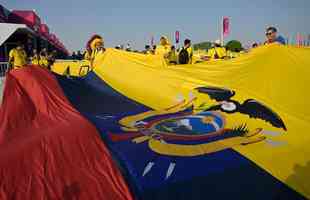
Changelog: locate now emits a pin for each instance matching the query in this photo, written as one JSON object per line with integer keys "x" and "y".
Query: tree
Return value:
{"x": 234, "y": 45}
{"x": 202, "y": 46}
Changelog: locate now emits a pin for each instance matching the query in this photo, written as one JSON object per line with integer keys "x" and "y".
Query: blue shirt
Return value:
{"x": 281, "y": 40}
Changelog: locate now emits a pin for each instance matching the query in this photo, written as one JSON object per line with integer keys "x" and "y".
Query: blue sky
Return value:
{"x": 135, "y": 21}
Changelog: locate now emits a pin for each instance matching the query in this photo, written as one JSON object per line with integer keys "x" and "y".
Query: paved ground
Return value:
{"x": 1, "y": 88}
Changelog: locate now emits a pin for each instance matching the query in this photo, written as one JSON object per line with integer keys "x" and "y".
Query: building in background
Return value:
{"x": 26, "y": 26}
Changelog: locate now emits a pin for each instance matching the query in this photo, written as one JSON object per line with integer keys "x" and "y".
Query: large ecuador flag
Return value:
{"x": 133, "y": 128}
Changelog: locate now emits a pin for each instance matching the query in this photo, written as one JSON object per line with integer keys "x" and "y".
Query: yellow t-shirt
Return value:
{"x": 94, "y": 54}
{"x": 220, "y": 51}
{"x": 43, "y": 61}
{"x": 162, "y": 49}
{"x": 87, "y": 56}
{"x": 190, "y": 52}
{"x": 35, "y": 60}
{"x": 172, "y": 57}
{"x": 148, "y": 52}
{"x": 18, "y": 58}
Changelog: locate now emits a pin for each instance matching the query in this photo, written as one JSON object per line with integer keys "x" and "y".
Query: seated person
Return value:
{"x": 271, "y": 34}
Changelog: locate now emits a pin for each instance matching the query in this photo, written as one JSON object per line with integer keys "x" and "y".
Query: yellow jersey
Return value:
{"x": 162, "y": 50}
{"x": 87, "y": 56}
{"x": 219, "y": 51}
{"x": 190, "y": 52}
{"x": 43, "y": 61}
{"x": 35, "y": 60}
{"x": 172, "y": 57}
{"x": 18, "y": 58}
{"x": 94, "y": 54}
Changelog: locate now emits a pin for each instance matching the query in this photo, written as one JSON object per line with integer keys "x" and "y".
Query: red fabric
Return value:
{"x": 47, "y": 149}
{"x": 44, "y": 30}
{"x": 28, "y": 17}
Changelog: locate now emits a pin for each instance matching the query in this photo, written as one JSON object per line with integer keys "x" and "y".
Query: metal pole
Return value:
{"x": 222, "y": 29}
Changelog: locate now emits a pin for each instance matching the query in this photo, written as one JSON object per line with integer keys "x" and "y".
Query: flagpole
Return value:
{"x": 222, "y": 30}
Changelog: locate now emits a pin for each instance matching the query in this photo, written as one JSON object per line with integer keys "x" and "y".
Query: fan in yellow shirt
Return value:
{"x": 172, "y": 56}
{"x": 217, "y": 52}
{"x": 43, "y": 58}
{"x": 18, "y": 57}
{"x": 164, "y": 46}
{"x": 94, "y": 46}
{"x": 35, "y": 59}
{"x": 186, "y": 53}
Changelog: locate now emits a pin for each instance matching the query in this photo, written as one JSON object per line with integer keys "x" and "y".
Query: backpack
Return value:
{"x": 183, "y": 56}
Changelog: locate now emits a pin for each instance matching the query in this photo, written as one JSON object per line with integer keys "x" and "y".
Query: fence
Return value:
{"x": 3, "y": 68}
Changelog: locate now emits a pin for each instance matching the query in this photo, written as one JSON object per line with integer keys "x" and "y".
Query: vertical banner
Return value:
{"x": 226, "y": 26}
{"x": 177, "y": 37}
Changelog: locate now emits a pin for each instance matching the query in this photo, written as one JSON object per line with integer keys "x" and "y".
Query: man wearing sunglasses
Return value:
{"x": 271, "y": 34}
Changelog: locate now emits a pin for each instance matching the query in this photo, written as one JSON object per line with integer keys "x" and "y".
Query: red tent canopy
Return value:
{"x": 44, "y": 30}
{"x": 28, "y": 17}
{"x": 52, "y": 38}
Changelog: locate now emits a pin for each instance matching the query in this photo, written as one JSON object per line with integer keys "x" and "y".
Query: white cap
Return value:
{"x": 217, "y": 42}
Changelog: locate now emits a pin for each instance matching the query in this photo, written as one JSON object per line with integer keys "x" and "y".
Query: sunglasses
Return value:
{"x": 269, "y": 33}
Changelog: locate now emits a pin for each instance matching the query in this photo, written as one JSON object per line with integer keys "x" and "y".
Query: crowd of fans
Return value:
{"x": 19, "y": 58}
{"x": 95, "y": 46}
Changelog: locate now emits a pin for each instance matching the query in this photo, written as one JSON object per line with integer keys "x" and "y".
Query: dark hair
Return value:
{"x": 187, "y": 41}
{"x": 172, "y": 47}
{"x": 88, "y": 48}
{"x": 217, "y": 45}
{"x": 19, "y": 44}
{"x": 273, "y": 29}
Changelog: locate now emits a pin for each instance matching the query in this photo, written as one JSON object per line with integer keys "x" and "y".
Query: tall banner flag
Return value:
{"x": 177, "y": 37}
{"x": 224, "y": 29}
{"x": 226, "y": 26}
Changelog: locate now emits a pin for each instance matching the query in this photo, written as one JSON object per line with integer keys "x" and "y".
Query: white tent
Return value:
{"x": 6, "y": 30}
